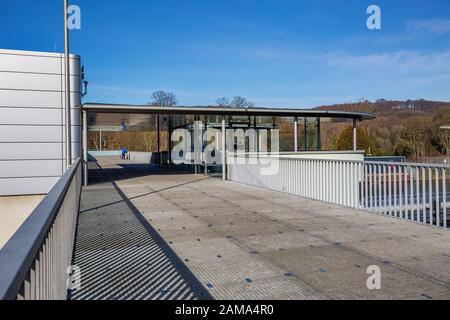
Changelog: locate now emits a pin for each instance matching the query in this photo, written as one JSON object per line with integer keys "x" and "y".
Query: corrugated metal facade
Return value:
{"x": 32, "y": 119}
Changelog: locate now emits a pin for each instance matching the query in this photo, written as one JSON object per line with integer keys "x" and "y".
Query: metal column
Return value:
{"x": 305, "y": 135}
{"x": 256, "y": 142}
{"x": 205, "y": 142}
{"x": 159, "y": 140}
{"x": 295, "y": 134}
{"x": 355, "y": 127}
{"x": 85, "y": 149}
{"x": 67, "y": 88}
{"x": 224, "y": 151}
{"x": 169, "y": 141}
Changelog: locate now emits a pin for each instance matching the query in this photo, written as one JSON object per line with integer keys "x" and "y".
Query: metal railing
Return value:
{"x": 35, "y": 261}
{"x": 409, "y": 191}
{"x": 331, "y": 181}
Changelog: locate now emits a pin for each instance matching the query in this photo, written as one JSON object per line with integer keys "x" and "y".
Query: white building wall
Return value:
{"x": 32, "y": 120}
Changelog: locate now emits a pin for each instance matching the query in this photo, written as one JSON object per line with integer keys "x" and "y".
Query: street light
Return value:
{"x": 67, "y": 87}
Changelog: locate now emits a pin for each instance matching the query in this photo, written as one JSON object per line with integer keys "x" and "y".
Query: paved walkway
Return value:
{"x": 239, "y": 242}
{"x": 120, "y": 255}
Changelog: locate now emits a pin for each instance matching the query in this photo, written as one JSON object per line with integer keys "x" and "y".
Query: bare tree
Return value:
{"x": 241, "y": 103}
{"x": 416, "y": 135}
{"x": 223, "y": 102}
{"x": 163, "y": 99}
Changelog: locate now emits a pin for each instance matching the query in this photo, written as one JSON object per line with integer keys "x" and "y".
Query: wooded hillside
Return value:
{"x": 407, "y": 128}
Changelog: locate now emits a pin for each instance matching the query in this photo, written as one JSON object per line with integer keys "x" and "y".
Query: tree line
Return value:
{"x": 411, "y": 128}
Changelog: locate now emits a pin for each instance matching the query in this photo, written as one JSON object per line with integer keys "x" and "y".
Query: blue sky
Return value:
{"x": 286, "y": 53}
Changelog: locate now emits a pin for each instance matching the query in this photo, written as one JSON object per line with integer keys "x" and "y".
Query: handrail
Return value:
{"x": 281, "y": 156}
{"x": 411, "y": 164}
{"x": 409, "y": 191}
{"x": 18, "y": 254}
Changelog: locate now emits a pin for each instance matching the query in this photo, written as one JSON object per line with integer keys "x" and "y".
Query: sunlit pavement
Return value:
{"x": 146, "y": 233}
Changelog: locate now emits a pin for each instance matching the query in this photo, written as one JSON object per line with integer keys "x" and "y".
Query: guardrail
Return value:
{"x": 409, "y": 191}
{"x": 35, "y": 261}
{"x": 331, "y": 181}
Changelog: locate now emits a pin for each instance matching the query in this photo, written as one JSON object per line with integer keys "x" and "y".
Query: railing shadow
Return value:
{"x": 122, "y": 257}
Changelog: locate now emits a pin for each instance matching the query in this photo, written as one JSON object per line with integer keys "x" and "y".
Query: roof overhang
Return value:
{"x": 180, "y": 110}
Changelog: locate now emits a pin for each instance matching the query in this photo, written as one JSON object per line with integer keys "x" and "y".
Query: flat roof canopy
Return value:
{"x": 180, "y": 110}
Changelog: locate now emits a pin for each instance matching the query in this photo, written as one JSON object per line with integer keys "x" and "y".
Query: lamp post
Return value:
{"x": 67, "y": 87}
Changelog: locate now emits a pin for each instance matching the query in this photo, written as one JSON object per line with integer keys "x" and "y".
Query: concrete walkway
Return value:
{"x": 240, "y": 242}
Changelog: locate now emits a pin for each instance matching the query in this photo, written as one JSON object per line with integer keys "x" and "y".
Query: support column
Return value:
{"x": 255, "y": 137}
{"x": 355, "y": 137}
{"x": 224, "y": 150}
{"x": 295, "y": 134}
{"x": 85, "y": 149}
{"x": 198, "y": 144}
{"x": 169, "y": 141}
{"x": 205, "y": 142}
{"x": 159, "y": 141}
{"x": 67, "y": 88}
{"x": 305, "y": 135}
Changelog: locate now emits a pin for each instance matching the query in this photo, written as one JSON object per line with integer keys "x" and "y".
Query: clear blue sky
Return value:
{"x": 286, "y": 53}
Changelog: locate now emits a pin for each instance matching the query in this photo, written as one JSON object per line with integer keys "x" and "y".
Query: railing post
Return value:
{"x": 85, "y": 149}
{"x": 424, "y": 198}
{"x": 438, "y": 209}
{"x": 418, "y": 218}
{"x": 224, "y": 151}
{"x": 444, "y": 199}
{"x": 296, "y": 134}
{"x": 430, "y": 192}
{"x": 390, "y": 188}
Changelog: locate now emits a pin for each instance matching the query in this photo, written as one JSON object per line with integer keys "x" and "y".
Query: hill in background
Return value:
{"x": 407, "y": 128}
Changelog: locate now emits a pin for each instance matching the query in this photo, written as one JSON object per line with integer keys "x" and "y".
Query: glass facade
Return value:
{"x": 151, "y": 133}
{"x": 309, "y": 134}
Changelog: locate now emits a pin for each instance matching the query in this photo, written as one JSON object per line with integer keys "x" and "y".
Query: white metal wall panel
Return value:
{"x": 75, "y": 117}
{"x": 31, "y": 151}
{"x": 30, "y": 81}
{"x": 30, "y": 64}
{"x": 75, "y": 67}
{"x": 19, "y": 186}
{"x": 30, "y": 168}
{"x": 28, "y": 116}
{"x": 32, "y": 119}
{"x": 35, "y": 82}
{"x": 33, "y": 99}
{"x": 36, "y": 134}
{"x": 76, "y": 150}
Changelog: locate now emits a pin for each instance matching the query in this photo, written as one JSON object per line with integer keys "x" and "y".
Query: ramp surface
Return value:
{"x": 198, "y": 234}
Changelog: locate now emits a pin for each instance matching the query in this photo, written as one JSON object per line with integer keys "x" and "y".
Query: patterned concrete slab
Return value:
{"x": 241, "y": 242}
{"x": 122, "y": 258}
